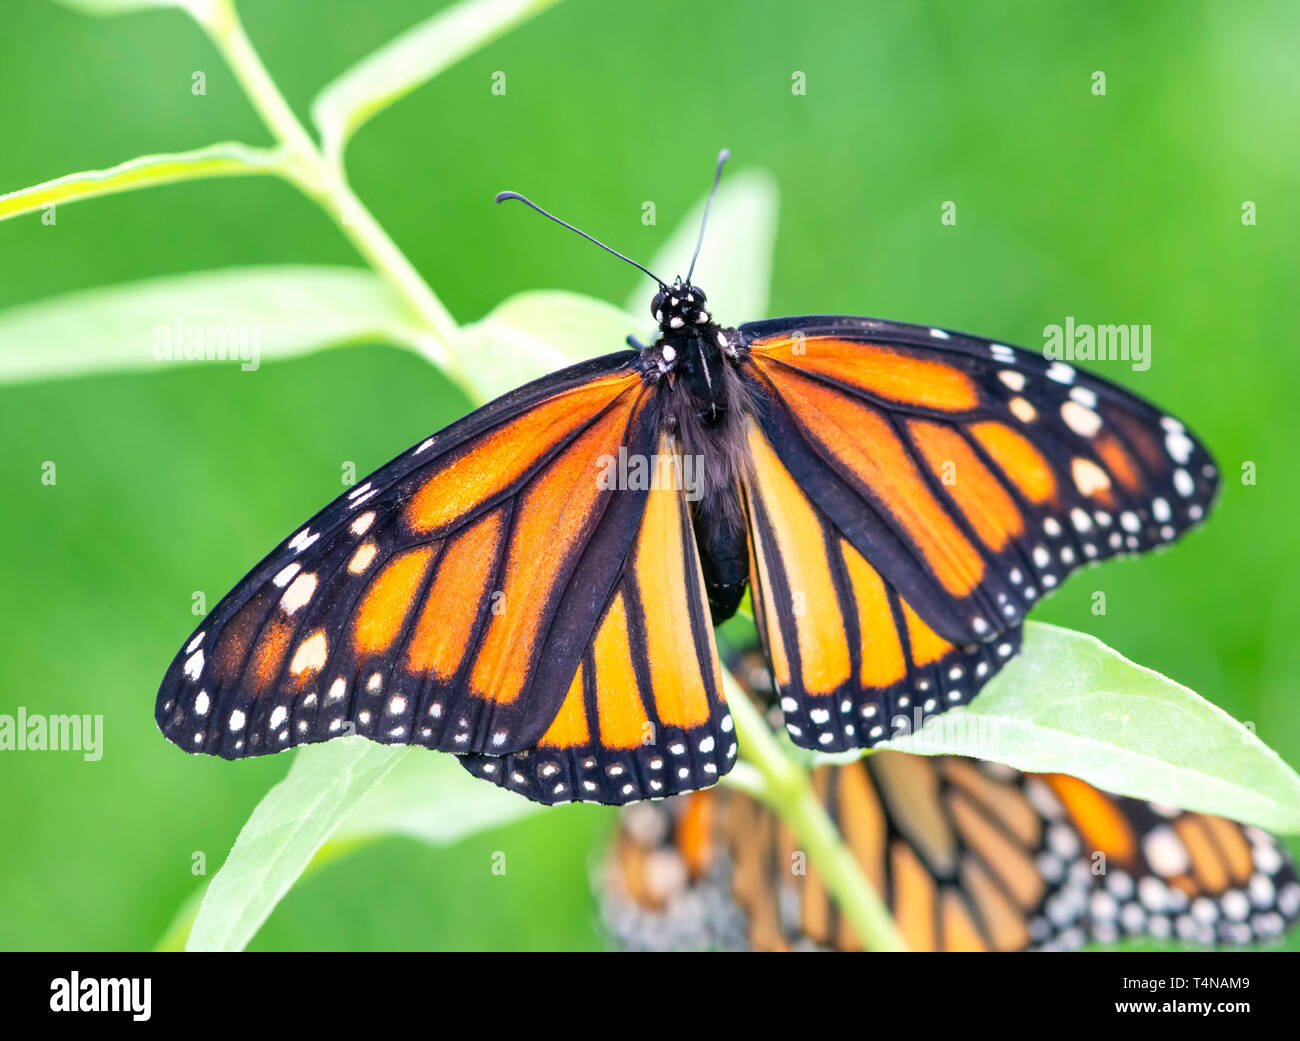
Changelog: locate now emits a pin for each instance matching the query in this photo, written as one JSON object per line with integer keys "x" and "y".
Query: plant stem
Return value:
{"x": 307, "y": 167}
{"x": 790, "y": 793}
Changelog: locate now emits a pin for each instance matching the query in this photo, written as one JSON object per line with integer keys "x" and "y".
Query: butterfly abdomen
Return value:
{"x": 724, "y": 557}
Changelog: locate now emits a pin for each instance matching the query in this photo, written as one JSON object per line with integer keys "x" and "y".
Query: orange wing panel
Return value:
{"x": 886, "y": 372}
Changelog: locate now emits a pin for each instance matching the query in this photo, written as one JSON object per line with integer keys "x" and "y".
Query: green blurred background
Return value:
{"x": 1117, "y": 209}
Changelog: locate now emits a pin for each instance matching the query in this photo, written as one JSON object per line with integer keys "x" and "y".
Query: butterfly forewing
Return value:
{"x": 964, "y": 478}
{"x": 438, "y": 602}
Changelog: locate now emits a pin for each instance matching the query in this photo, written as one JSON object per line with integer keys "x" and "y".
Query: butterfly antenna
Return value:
{"x": 503, "y": 196}
{"x": 723, "y": 156}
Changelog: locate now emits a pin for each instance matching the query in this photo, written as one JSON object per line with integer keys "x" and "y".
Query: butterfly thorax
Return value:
{"x": 693, "y": 352}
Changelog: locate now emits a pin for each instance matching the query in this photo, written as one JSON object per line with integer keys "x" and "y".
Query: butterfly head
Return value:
{"x": 679, "y": 308}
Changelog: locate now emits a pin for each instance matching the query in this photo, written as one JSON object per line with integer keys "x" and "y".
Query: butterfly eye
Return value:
{"x": 656, "y": 305}
{"x": 700, "y": 298}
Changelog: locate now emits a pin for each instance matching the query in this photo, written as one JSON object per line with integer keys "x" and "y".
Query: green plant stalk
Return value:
{"x": 307, "y": 166}
{"x": 785, "y": 785}
{"x": 788, "y": 790}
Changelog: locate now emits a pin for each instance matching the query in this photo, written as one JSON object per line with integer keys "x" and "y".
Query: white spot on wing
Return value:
{"x": 310, "y": 656}
{"x": 1083, "y": 421}
{"x": 299, "y": 592}
{"x": 1060, "y": 372}
{"x": 1089, "y": 478}
{"x": 302, "y": 540}
{"x": 1022, "y": 410}
{"x": 1179, "y": 447}
{"x": 282, "y": 579}
{"x": 362, "y": 558}
{"x": 1165, "y": 852}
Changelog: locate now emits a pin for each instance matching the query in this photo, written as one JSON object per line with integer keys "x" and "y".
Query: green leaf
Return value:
{"x": 431, "y": 797}
{"x": 422, "y": 795}
{"x": 247, "y": 315}
{"x": 1070, "y": 704}
{"x": 227, "y": 159}
{"x": 201, "y": 9}
{"x": 410, "y": 60}
{"x": 538, "y": 332}
{"x": 735, "y": 265}
{"x": 282, "y": 836}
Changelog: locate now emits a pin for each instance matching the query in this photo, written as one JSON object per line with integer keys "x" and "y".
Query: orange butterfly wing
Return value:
{"x": 854, "y": 661}
{"x": 445, "y": 601}
{"x": 963, "y": 478}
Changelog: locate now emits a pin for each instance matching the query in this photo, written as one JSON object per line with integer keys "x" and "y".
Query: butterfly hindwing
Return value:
{"x": 966, "y": 477}
{"x": 444, "y": 601}
{"x": 854, "y": 661}
{"x": 644, "y": 715}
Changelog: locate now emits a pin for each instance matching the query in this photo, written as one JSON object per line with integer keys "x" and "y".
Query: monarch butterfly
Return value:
{"x": 968, "y": 855}
{"x": 532, "y": 587}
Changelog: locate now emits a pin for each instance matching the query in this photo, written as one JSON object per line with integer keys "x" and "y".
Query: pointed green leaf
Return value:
{"x": 282, "y": 836}
{"x": 410, "y": 60}
{"x": 244, "y": 316}
{"x": 201, "y": 9}
{"x": 228, "y": 159}
{"x": 1070, "y": 704}
{"x": 423, "y": 795}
